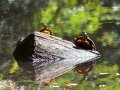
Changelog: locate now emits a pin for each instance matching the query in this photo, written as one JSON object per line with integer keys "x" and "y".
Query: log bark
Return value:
{"x": 46, "y": 57}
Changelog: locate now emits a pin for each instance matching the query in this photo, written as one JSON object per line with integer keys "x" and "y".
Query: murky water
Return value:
{"x": 17, "y": 20}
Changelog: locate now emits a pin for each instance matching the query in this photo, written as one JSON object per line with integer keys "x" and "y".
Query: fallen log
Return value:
{"x": 46, "y": 57}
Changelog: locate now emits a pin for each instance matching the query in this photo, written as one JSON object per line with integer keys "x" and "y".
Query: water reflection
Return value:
{"x": 20, "y": 18}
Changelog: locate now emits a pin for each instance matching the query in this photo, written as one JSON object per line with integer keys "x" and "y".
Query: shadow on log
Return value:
{"x": 45, "y": 57}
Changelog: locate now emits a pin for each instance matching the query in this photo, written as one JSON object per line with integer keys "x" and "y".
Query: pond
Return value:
{"x": 101, "y": 20}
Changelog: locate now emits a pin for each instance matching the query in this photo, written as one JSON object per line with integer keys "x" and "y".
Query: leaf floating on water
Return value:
{"x": 70, "y": 84}
{"x": 103, "y": 75}
{"x": 14, "y": 68}
{"x": 118, "y": 74}
{"x": 102, "y": 85}
{"x": 55, "y": 85}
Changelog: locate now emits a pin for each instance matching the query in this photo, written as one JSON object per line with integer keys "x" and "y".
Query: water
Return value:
{"x": 17, "y": 19}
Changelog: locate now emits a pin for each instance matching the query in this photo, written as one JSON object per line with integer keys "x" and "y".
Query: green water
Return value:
{"x": 66, "y": 19}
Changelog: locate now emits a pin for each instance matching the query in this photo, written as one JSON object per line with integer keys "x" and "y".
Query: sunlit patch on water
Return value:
{"x": 7, "y": 84}
{"x": 118, "y": 74}
{"x": 102, "y": 85}
{"x": 70, "y": 84}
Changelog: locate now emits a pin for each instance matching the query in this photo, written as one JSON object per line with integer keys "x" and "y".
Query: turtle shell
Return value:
{"x": 46, "y": 30}
{"x": 85, "y": 42}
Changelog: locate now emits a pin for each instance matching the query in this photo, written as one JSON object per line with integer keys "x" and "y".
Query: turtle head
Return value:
{"x": 44, "y": 26}
{"x": 84, "y": 34}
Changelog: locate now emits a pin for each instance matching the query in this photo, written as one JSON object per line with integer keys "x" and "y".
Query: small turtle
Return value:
{"x": 86, "y": 43}
{"x": 46, "y": 30}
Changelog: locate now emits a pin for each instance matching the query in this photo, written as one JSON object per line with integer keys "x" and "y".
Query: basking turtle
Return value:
{"x": 46, "y": 29}
{"x": 85, "y": 42}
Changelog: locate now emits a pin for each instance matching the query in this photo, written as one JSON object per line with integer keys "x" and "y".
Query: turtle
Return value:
{"x": 46, "y": 30}
{"x": 85, "y": 42}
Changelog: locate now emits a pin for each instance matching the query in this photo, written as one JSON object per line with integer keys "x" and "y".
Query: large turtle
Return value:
{"x": 85, "y": 42}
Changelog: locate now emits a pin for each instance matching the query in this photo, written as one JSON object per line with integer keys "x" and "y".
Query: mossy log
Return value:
{"x": 46, "y": 57}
